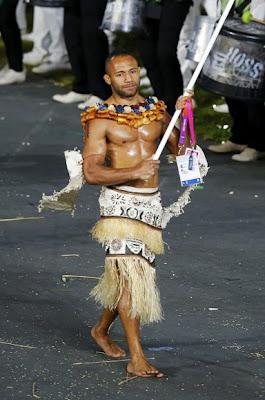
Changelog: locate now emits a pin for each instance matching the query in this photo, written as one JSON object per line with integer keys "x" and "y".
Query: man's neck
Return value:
{"x": 117, "y": 100}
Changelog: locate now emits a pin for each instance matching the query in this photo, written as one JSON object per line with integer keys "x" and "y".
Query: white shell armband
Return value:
{"x": 66, "y": 198}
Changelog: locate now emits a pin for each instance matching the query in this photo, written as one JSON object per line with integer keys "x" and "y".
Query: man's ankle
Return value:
{"x": 99, "y": 330}
{"x": 137, "y": 355}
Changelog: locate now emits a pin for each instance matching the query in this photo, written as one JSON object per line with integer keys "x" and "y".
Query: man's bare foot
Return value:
{"x": 141, "y": 367}
{"x": 106, "y": 344}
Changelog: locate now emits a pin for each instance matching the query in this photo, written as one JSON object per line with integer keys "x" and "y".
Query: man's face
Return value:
{"x": 124, "y": 76}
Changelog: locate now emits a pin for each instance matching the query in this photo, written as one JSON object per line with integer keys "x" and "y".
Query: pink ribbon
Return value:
{"x": 187, "y": 119}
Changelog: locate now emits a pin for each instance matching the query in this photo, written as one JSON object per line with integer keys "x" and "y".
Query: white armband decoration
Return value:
{"x": 66, "y": 198}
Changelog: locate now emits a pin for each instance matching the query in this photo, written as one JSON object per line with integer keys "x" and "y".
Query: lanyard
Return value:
{"x": 187, "y": 120}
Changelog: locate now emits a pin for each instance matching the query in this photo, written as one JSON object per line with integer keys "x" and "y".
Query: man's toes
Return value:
{"x": 155, "y": 373}
{"x": 152, "y": 373}
{"x": 149, "y": 373}
{"x": 121, "y": 352}
{"x": 140, "y": 373}
{"x": 144, "y": 374}
{"x": 118, "y": 352}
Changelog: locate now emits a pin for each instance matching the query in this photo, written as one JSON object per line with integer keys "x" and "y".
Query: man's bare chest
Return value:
{"x": 124, "y": 134}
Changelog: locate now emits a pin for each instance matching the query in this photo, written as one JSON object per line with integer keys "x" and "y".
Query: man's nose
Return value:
{"x": 128, "y": 77}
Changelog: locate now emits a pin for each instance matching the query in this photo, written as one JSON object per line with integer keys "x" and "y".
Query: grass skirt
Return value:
{"x": 139, "y": 277}
{"x": 130, "y": 229}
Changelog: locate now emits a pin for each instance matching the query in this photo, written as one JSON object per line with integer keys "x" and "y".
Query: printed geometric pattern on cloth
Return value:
{"x": 130, "y": 247}
{"x": 144, "y": 208}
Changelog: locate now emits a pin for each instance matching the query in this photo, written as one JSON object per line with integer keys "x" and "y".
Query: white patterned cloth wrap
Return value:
{"x": 130, "y": 247}
{"x": 125, "y": 205}
{"x": 145, "y": 208}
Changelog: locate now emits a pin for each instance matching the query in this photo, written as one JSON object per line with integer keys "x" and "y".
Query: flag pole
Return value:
{"x": 194, "y": 77}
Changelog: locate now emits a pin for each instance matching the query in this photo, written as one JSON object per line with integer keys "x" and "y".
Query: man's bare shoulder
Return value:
{"x": 95, "y": 138}
{"x": 166, "y": 119}
{"x": 96, "y": 127}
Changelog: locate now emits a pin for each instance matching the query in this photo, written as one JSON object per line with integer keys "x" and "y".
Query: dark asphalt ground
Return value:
{"x": 211, "y": 344}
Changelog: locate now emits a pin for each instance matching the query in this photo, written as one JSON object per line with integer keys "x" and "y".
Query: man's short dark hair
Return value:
{"x": 118, "y": 53}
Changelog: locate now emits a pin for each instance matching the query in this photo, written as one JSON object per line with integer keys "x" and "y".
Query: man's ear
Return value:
{"x": 107, "y": 79}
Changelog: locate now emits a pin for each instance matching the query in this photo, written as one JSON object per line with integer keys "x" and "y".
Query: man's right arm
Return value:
{"x": 94, "y": 154}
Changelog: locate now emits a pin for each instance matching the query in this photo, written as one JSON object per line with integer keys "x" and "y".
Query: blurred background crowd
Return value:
{"x": 77, "y": 35}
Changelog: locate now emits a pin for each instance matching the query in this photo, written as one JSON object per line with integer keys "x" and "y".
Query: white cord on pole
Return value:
{"x": 194, "y": 78}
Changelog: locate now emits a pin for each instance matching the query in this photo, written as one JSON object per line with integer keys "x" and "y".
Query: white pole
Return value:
{"x": 194, "y": 78}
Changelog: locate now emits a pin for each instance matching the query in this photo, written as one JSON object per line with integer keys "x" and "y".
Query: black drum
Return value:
{"x": 236, "y": 65}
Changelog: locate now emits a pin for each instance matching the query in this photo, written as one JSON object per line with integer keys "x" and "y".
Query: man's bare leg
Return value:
{"x": 138, "y": 365}
{"x": 100, "y": 334}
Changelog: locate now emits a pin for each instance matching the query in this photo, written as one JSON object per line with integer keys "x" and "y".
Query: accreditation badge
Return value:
{"x": 188, "y": 167}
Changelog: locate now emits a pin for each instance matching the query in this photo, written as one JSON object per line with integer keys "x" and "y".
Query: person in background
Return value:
{"x": 87, "y": 48}
{"x": 257, "y": 10}
{"x": 13, "y": 71}
{"x": 247, "y": 131}
{"x": 248, "y": 118}
{"x": 21, "y": 17}
{"x": 158, "y": 50}
{"x": 49, "y": 52}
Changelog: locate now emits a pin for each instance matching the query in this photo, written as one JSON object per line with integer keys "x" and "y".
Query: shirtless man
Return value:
{"x": 128, "y": 151}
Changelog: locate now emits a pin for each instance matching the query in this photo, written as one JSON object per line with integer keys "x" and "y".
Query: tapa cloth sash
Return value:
{"x": 125, "y": 215}
{"x": 146, "y": 208}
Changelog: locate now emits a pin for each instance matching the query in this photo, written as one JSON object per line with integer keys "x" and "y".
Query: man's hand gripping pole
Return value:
{"x": 194, "y": 78}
